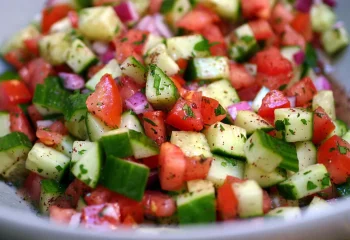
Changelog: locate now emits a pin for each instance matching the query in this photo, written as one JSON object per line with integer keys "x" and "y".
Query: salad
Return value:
{"x": 174, "y": 111}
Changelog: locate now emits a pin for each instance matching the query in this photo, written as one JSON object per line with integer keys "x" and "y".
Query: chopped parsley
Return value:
{"x": 224, "y": 164}
{"x": 144, "y": 37}
{"x": 219, "y": 111}
{"x": 59, "y": 168}
{"x": 222, "y": 128}
{"x": 81, "y": 152}
{"x": 82, "y": 169}
{"x": 342, "y": 150}
{"x": 310, "y": 186}
{"x": 188, "y": 112}
{"x": 325, "y": 181}
{"x": 303, "y": 121}
{"x": 150, "y": 121}
{"x": 156, "y": 83}
{"x": 306, "y": 173}
{"x": 292, "y": 132}
{"x": 40, "y": 170}
{"x": 202, "y": 46}
{"x": 279, "y": 125}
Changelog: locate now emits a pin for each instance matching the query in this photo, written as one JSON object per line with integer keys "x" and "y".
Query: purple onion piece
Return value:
{"x": 100, "y": 47}
{"x": 107, "y": 56}
{"x": 162, "y": 27}
{"x": 292, "y": 101}
{"x": 138, "y": 103}
{"x": 322, "y": 83}
{"x": 72, "y": 81}
{"x": 147, "y": 24}
{"x": 241, "y": 106}
{"x": 153, "y": 178}
{"x": 192, "y": 86}
{"x": 299, "y": 57}
{"x": 126, "y": 12}
{"x": 331, "y": 3}
{"x": 44, "y": 123}
{"x": 303, "y": 5}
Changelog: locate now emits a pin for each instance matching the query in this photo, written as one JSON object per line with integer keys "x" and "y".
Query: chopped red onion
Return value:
{"x": 162, "y": 27}
{"x": 299, "y": 57}
{"x": 126, "y": 12}
{"x": 100, "y": 47}
{"x": 85, "y": 90}
{"x": 155, "y": 25}
{"x": 303, "y": 5}
{"x": 44, "y": 124}
{"x": 292, "y": 101}
{"x": 192, "y": 86}
{"x": 152, "y": 177}
{"x": 234, "y": 108}
{"x": 75, "y": 220}
{"x": 322, "y": 83}
{"x": 331, "y": 3}
{"x": 107, "y": 56}
{"x": 72, "y": 81}
{"x": 138, "y": 103}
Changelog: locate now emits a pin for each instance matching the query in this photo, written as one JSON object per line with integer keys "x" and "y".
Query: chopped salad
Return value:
{"x": 174, "y": 111}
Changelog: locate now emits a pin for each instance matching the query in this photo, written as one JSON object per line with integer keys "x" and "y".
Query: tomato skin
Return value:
{"x": 60, "y": 215}
{"x": 211, "y": 110}
{"x": 304, "y": 91}
{"x": 75, "y": 190}
{"x": 261, "y": 29}
{"x": 172, "y": 169}
{"x": 151, "y": 162}
{"x": 129, "y": 221}
{"x": 32, "y": 45}
{"x": 256, "y": 8}
{"x": 127, "y": 88}
{"x": 154, "y": 6}
{"x": 248, "y": 93}
{"x": 53, "y": 14}
{"x": 158, "y": 204}
{"x": 186, "y": 114}
{"x": 302, "y": 24}
{"x": 105, "y": 103}
{"x": 18, "y": 58}
{"x": 239, "y": 76}
{"x": 323, "y": 125}
{"x": 20, "y": 123}
{"x": 13, "y": 92}
{"x": 334, "y": 153}
{"x": 74, "y": 18}
{"x": 274, "y": 71}
{"x": 98, "y": 196}
{"x": 273, "y": 100}
{"x": 34, "y": 114}
{"x": 280, "y": 17}
{"x": 93, "y": 215}
{"x": 197, "y": 168}
{"x": 129, "y": 207}
{"x": 291, "y": 37}
{"x": 154, "y": 125}
{"x": 32, "y": 186}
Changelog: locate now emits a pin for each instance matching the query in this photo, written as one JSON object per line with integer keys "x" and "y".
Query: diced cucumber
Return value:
{"x": 222, "y": 167}
{"x": 334, "y": 40}
{"x": 125, "y": 177}
{"x": 79, "y": 150}
{"x": 346, "y": 136}
{"x": 80, "y": 57}
{"x": 186, "y": 47}
{"x": 63, "y": 25}
{"x": 4, "y": 123}
{"x": 160, "y": 89}
{"x": 152, "y": 41}
{"x": 47, "y": 162}
{"x": 295, "y": 123}
{"x": 311, "y": 180}
{"x": 288, "y": 52}
{"x": 191, "y": 206}
{"x": 250, "y": 198}
{"x": 229, "y": 9}
{"x": 50, "y": 98}
{"x": 199, "y": 185}
{"x": 268, "y": 153}
{"x": 50, "y": 191}
{"x": 65, "y": 146}
{"x": 117, "y": 143}
{"x": 99, "y": 23}
{"x": 285, "y": 212}
{"x": 17, "y": 173}
{"x": 13, "y": 148}
{"x": 9, "y": 75}
{"x": 17, "y": 40}
{"x": 87, "y": 168}
{"x": 112, "y": 68}
{"x": 322, "y": 17}
{"x": 134, "y": 69}
{"x": 54, "y": 48}
{"x": 174, "y": 10}
{"x": 159, "y": 56}
{"x": 251, "y": 122}
{"x": 193, "y": 144}
{"x": 227, "y": 140}
{"x": 79, "y": 4}
{"x": 95, "y": 127}
{"x": 341, "y": 128}
{"x": 263, "y": 178}
{"x": 245, "y": 45}
{"x": 259, "y": 97}
{"x": 142, "y": 145}
{"x": 325, "y": 99}
{"x": 221, "y": 91}
{"x": 141, "y": 6}
{"x": 131, "y": 121}
{"x": 307, "y": 154}
{"x": 208, "y": 68}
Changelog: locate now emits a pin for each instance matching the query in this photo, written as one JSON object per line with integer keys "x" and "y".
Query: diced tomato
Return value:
{"x": 154, "y": 125}
{"x": 48, "y": 138}
{"x": 35, "y": 72}
{"x": 51, "y": 15}
{"x": 302, "y": 24}
{"x": 172, "y": 163}
{"x": 105, "y": 102}
{"x": 59, "y": 127}
{"x": 18, "y": 57}
{"x": 34, "y": 114}
{"x": 323, "y": 125}
{"x": 216, "y": 39}
{"x": 154, "y": 6}
{"x": 274, "y": 71}
{"x": 105, "y": 2}
{"x": 129, "y": 207}
{"x": 304, "y": 92}
{"x": 182, "y": 63}
{"x": 227, "y": 203}
{"x": 186, "y": 114}
{"x": 291, "y": 37}
{"x": 107, "y": 215}
{"x": 75, "y": 190}
{"x": 239, "y": 76}
{"x": 151, "y": 162}
{"x": 280, "y": 18}
{"x": 98, "y": 196}
{"x": 248, "y": 93}
{"x": 32, "y": 186}
{"x": 32, "y": 45}
{"x": 334, "y": 153}
{"x": 197, "y": 168}
{"x": 273, "y": 41}
{"x": 129, "y": 221}
{"x": 74, "y": 18}
{"x": 61, "y": 215}
{"x": 179, "y": 82}
{"x": 266, "y": 202}
{"x": 198, "y": 19}
{"x": 20, "y": 123}
{"x": 94, "y": 69}
{"x": 158, "y": 204}
{"x": 273, "y": 100}
{"x": 13, "y": 92}
{"x": 127, "y": 88}
{"x": 261, "y": 29}
{"x": 211, "y": 110}
{"x": 256, "y": 8}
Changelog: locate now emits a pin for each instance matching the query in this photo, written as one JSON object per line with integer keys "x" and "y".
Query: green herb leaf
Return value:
{"x": 303, "y": 121}
{"x": 167, "y": 6}
{"x": 188, "y": 112}
{"x": 156, "y": 83}
{"x": 325, "y": 181}
{"x": 310, "y": 186}
{"x": 59, "y": 168}
{"x": 144, "y": 37}
{"x": 150, "y": 121}
{"x": 279, "y": 125}
{"x": 82, "y": 169}
{"x": 292, "y": 132}
{"x": 202, "y": 46}
{"x": 81, "y": 152}
{"x": 220, "y": 111}
{"x": 222, "y": 128}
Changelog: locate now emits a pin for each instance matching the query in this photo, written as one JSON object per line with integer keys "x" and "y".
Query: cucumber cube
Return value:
{"x": 54, "y": 48}
{"x": 4, "y": 124}
{"x": 117, "y": 143}
{"x": 264, "y": 179}
{"x": 50, "y": 191}
{"x": 80, "y": 57}
{"x": 151, "y": 42}
{"x": 285, "y": 213}
{"x": 134, "y": 69}
{"x": 322, "y": 17}
{"x": 199, "y": 185}
{"x": 307, "y": 154}
{"x": 250, "y": 121}
{"x": 112, "y": 68}
{"x": 209, "y": 68}
{"x": 334, "y": 40}
{"x": 65, "y": 146}
{"x": 95, "y": 127}
{"x": 143, "y": 146}
{"x": 131, "y": 121}
{"x": 159, "y": 56}
{"x": 245, "y": 45}
{"x": 125, "y": 177}
{"x": 325, "y": 99}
